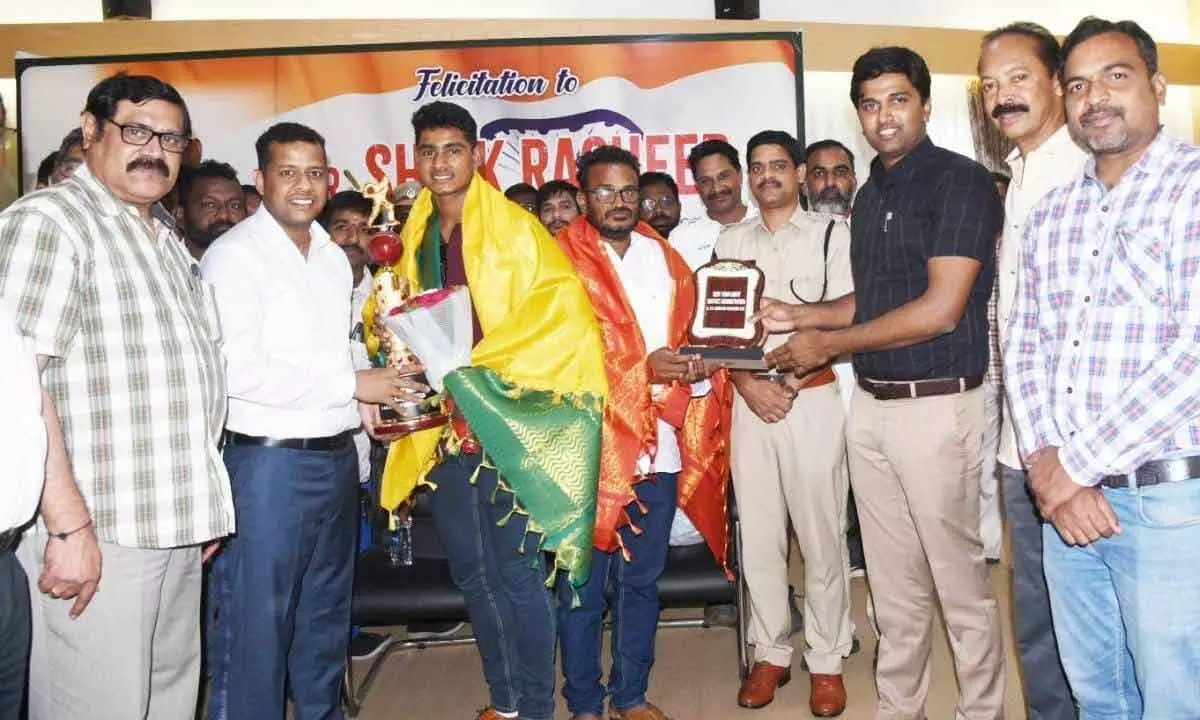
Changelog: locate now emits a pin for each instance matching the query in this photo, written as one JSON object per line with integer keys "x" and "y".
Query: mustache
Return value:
{"x": 769, "y": 184}
{"x": 1101, "y": 112}
{"x": 832, "y": 194}
{"x": 1008, "y": 108}
{"x": 145, "y": 163}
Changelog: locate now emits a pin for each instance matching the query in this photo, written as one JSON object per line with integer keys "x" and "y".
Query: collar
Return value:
{"x": 793, "y": 219}
{"x": 103, "y": 198}
{"x": 1059, "y": 143}
{"x": 909, "y": 164}
{"x": 1152, "y": 162}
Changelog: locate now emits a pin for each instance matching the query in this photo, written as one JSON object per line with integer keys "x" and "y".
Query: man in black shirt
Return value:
{"x": 924, "y": 229}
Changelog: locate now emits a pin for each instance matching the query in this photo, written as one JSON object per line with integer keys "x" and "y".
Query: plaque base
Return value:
{"x": 734, "y": 358}
{"x": 394, "y": 427}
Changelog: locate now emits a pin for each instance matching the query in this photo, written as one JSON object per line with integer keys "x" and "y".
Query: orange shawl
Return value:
{"x": 631, "y": 417}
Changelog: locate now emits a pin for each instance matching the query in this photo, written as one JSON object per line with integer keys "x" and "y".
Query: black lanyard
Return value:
{"x": 824, "y": 270}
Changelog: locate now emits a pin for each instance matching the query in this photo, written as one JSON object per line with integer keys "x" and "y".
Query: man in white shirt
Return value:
{"x": 718, "y": 176}
{"x": 647, "y": 453}
{"x": 283, "y": 289}
{"x": 1017, "y": 68}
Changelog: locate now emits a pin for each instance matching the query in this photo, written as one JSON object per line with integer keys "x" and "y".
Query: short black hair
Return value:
{"x": 46, "y": 168}
{"x": 73, "y": 139}
{"x": 1001, "y": 178}
{"x": 285, "y": 133}
{"x": 205, "y": 170}
{"x": 1048, "y": 49}
{"x": 345, "y": 200}
{"x": 777, "y": 137}
{"x": 521, "y": 187}
{"x": 828, "y": 144}
{"x": 1091, "y": 26}
{"x": 604, "y": 155}
{"x": 251, "y": 189}
{"x": 713, "y": 147}
{"x": 658, "y": 178}
{"x": 102, "y": 100}
{"x": 439, "y": 114}
{"x": 556, "y": 187}
{"x": 886, "y": 60}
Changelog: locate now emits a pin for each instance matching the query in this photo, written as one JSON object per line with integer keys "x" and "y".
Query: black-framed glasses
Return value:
{"x": 665, "y": 202}
{"x": 141, "y": 135}
{"x": 606, "y": 194}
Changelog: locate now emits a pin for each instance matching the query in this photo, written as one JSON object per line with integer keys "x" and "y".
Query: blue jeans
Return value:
{"x": 14, "y": 635}
{"x": 1127, "y": 608}
{"x": 1047, "y": 695}
{"x": 289, "y": 572}
{"x": 635, "y": 607}
{"x": 216, "y": 635}
{"x": 496, "y": 564}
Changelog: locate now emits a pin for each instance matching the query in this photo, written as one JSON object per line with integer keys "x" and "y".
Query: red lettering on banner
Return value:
{"x": 715, "y": 136}
{"x": 564, "y": 160}
{"x": 379, "y": 156}
{"x": 490, "y": 157}
{"x": 653, "y": 162}
{"x": 534, "y": 158}
{"x": 683, "y": 144}
{"x": 335, "y": 179}
{"x": 635, "y": 144}
{"x": 404, "y": 173}
{"x": 591, "y": 143}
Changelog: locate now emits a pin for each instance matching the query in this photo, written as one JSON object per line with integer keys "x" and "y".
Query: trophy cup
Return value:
{"x": 727, "y": 296}
{"x": 390, "y": 290}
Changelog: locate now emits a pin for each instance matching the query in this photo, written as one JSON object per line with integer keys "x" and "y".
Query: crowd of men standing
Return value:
{"x": 182, "y": 386}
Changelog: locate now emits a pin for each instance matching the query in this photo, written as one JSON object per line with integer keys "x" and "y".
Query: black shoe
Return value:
{"x": 434, "y": 630}
{"x": 365, "y": 645}
{"x": 720, "y": 616}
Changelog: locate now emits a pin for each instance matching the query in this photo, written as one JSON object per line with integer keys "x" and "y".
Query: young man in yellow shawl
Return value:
{"x": 666, "y": 438}
{"x": 516, "y": 471}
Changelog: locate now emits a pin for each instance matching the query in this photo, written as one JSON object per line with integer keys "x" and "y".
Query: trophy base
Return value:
{"x": 734, "y": 358}
{"x": 394, "y": 429}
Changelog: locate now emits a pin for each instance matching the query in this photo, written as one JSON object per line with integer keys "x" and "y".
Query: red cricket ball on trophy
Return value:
{"x": 385, "y": 248}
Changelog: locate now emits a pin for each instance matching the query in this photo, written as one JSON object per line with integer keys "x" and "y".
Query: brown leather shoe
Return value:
{"x": 828, "y": 696}
{"x": 489, "y": 713}
{"x": 758, "y": 690}
{"x": 642, "y": 712}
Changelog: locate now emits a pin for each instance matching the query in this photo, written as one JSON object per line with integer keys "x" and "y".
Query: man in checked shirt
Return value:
{"x": 1101, "y": 367}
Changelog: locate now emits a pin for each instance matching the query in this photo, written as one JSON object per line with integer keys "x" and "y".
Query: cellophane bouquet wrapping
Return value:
{"x": 436, "y": 325}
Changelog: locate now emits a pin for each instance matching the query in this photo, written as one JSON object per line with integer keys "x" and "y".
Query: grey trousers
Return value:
{"x": 1047, "y": 696}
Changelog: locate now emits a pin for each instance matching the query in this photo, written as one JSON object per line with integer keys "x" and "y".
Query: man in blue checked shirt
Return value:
{"x": 1101, "y": 369}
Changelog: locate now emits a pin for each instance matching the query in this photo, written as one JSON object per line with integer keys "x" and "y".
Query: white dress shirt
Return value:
{"x": 648, "y": 284}
{"x": 1055, "y": 162}
{"x": 22, "y": 432}
{"x": 285, "y": 323}
{"x": 358, "y": 352}
{"x": 696, "y": 239}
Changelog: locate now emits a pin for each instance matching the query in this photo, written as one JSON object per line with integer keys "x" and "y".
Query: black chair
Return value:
{"x": 386, "y": 595}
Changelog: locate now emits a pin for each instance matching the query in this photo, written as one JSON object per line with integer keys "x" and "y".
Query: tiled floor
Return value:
{"x": 695, "y": 677}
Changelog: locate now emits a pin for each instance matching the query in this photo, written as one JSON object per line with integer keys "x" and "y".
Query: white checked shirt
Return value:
{"x": 22, "y": 432}
{"x": 1102, "y": 358}
{"x": 1057, "y": 161}
{"x": 286, "y": 327}
{"x": 648, "y": 285}
{"x": 135, "y": 369}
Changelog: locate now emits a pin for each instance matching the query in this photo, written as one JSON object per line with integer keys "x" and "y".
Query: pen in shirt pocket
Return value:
{"x": 887, "y": 219}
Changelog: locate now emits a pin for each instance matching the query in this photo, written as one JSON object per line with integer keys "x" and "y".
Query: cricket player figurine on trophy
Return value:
{"x": 407, "y": 413}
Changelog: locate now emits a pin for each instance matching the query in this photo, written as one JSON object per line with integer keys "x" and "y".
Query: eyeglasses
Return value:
{"x": 666, "y": 202}
{"x": 605, "y": 194}
{"x": 140, "y": 135}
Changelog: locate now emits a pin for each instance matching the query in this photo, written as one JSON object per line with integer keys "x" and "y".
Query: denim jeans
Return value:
{"x": 216, "y": 635}
{"x": 634, "y": 588}
{"x": 495, "y": 562}
{"x": 1047, "y": 695}
{"x": 289, "y": 572}
{"x": 1127, "y": 608}
{"x": 14, "y": 635}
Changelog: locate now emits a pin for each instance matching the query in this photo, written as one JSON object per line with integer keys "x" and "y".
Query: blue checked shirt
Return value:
{"x": 1102, "y": 356}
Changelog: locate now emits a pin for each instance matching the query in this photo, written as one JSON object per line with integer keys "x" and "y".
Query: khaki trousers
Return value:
{"x": 914, "y": 466}
{"x": 795, "y": 468}
{"x": 134, "y": 653}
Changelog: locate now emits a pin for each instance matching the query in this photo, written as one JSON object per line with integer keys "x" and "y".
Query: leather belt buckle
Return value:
{"x": 1157, "y": 472}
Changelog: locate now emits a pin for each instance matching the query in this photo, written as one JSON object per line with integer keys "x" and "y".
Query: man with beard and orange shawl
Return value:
{"x": 665, "y": 438}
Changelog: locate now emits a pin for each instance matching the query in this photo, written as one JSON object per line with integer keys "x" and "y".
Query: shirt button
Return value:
{"x": 1087, "y": 298}
{"x": 1071, "y": 434}
{"x": 1095, "y": 253}
{"x": 1076, "y": 343}
{"x": 1103, "y": 208}
{"x": 1070, "y": 390}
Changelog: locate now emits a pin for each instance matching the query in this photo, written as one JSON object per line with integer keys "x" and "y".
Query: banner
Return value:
{"x": 538, "y": 103}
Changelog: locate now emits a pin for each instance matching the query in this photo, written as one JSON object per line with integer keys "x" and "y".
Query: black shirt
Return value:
{"x": 933, "y": 203}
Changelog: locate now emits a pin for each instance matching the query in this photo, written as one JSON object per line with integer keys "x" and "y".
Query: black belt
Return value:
{"x": 9, "y": 540}
{"x": 918, "y": 388}
{"x": 1156, "y": 472}
{"x": 320, "y": 444}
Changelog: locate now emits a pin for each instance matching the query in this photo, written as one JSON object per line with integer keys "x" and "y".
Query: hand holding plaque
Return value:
{"x": 722, "y": 330}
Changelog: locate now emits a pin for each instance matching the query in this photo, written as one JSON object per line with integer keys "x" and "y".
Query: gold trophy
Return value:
{"x": 390, "y": 288}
